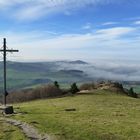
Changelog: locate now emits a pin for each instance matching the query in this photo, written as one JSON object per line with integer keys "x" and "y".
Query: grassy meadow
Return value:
{"x": 100, "y": 115}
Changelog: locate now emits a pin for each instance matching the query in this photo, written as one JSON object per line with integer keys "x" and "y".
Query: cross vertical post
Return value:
{"x": 4, "y": 70}
{"x": 5, "y": 50}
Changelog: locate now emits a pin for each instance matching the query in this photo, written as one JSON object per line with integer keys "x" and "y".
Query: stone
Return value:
{"x": 8, "y": 110}
{"x": 70, "y": 109}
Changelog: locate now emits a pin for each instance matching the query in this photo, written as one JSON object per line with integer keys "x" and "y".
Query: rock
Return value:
{"x": 8, "y": 110}
{"x": 70, "y": 109}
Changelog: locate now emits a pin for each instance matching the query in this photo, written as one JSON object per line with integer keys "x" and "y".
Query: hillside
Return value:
{"x": 99, "y": 115}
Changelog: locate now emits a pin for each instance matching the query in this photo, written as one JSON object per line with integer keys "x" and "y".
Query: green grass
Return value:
{"x": 9, "y": 132}
{"x": 99, "y": 116}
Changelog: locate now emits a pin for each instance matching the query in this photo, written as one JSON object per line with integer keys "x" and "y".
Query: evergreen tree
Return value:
{"x": 56, "y": 84}
{"x": 74, "y": 88}
{"x": 132, "y": 93}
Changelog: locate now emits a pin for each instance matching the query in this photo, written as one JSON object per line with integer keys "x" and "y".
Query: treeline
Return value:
{"x": 43, "y": 92}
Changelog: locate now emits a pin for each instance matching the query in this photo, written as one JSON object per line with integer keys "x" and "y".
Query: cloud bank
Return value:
{"x": 108, "y": 43}
{"x": 106, "y": 70}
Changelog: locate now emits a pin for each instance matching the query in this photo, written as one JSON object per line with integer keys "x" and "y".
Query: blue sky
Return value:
{"x": 91, "y": 30}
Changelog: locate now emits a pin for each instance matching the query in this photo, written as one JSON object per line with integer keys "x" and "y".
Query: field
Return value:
{"x": 101, "y": 115}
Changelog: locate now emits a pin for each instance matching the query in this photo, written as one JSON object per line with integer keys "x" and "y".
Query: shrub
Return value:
{"x": 87, "y": 86}
{"x": 118, "y": 85}
{"x": 37, "y": 93}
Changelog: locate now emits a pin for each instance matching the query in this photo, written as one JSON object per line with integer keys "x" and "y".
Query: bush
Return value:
{"x": 87, "y": 86}
{"x": 118, "y": 85}
{"x": 48, "y": 91}
{"x": 74, "y": 88}
{"x": 37, "y": 93}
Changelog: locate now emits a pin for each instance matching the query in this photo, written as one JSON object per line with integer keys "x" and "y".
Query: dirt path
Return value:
{"x": 30, "y": 132}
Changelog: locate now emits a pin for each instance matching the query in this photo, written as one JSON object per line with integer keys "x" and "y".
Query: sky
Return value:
{"x": 90, "y": 30}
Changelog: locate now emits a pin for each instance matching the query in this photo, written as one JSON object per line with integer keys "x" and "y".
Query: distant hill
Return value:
{"x": 78, "y": 62}
{"x": 22, "y": 75}
{"x": 29, "y": 74}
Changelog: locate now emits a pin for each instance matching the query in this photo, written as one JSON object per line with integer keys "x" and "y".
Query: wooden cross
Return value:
{"x": 5, "y": 50}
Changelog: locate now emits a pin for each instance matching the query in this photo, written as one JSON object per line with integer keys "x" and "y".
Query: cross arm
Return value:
{"x": 10, "y": 50}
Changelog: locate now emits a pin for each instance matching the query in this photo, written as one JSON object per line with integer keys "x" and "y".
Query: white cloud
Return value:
{"x": 109, "y": 23}
{"x": 116, "y": 31}
{"x": 87, "y": 26}
{"x": 104, "y": 43}
{"x": 33, "y": 9}
{"x": 137, "y": 22}
{"x": 52, "y": 40}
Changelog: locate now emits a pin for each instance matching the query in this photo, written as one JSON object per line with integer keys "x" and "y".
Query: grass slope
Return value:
{"x": 99, "y": 116}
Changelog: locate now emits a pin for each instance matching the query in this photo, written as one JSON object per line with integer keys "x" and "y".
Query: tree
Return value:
{"x": 132, "y": 93}
{"x": 74, "y": 88}
{"x": 56, "y": 84}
